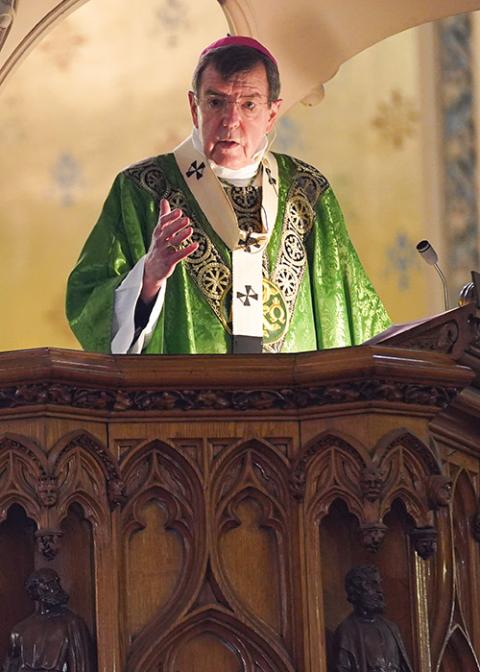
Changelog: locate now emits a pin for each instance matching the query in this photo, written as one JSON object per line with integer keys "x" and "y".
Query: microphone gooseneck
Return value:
{"x": 427, "y": 252}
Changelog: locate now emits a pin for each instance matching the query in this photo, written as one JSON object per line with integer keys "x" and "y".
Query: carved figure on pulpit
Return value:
{"x": 53, "y": 638}
{"x": 47, "y": 491}
{"x": 366, "y": 641}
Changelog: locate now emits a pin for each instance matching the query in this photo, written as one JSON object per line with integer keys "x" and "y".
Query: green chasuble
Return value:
{"x": 315, "y": 291}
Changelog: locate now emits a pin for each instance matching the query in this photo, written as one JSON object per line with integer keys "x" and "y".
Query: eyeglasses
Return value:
{"x": 247, "y": 107}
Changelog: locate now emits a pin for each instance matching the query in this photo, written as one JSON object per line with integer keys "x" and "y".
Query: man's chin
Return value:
{"x": 230, "y": 157}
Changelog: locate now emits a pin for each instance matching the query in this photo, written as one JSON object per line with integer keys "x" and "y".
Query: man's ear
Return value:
{"x": 274, "y": 112}
{"x": 193, "y": 108}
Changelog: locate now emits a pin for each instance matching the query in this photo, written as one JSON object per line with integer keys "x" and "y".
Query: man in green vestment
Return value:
{"x": 223, "y": 246}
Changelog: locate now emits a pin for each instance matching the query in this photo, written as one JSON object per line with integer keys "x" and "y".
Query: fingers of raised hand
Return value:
{"x": 182, "y": 252}
{"x": 179, "y": 236}
{"x": 172, "y": 228}
{"x": 166, "y": 215}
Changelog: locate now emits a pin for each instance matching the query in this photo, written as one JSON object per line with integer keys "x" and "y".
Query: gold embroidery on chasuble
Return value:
{"x": 306, "y": 187}
{"x": 206, "y": 266}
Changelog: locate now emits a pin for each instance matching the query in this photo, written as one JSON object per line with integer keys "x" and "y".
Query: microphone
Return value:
{"x": 431, "y": 258}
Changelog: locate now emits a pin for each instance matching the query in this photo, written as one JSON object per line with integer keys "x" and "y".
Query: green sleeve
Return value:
{"x": 347, "y": 309}
{"x": 119, "y": 239}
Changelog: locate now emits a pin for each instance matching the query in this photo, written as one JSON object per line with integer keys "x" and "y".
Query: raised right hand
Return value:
{"x": 164, "y": 253}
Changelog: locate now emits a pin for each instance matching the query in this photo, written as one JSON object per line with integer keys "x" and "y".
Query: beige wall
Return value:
{"x": 107, "y": 87}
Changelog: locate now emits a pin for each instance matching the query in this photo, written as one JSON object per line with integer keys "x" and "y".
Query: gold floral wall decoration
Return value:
{"x": 396, "y": 119}
{"x": 62, "y": 48}
{"x": 402, "y": 261}
{"x": 172, "y": 19}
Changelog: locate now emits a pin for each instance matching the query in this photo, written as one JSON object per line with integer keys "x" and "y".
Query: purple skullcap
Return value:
{"x": 238, "y": 41}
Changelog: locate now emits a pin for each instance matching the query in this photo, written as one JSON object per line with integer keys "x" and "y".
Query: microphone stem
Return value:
{"x": 444, "y": 283}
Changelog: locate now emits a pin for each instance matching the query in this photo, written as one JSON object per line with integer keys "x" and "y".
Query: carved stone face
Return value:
{"x": 372, "y": 536}
{"x": 440, "y": 490}
{"x": 371, "y": 483}
{"x": 47, "y": 491}
{"x": 116, "y": 491}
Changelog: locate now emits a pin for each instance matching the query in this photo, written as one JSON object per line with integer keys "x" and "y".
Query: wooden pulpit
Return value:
{"x": 202, "y": 511}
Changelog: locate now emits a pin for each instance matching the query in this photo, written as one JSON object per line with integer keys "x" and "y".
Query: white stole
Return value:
{"x": 247, "y": 303}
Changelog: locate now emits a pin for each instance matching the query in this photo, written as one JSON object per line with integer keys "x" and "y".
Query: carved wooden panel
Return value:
{"x": 207, "y": 536}
{"x": 163, "y": 543}
{"x": 250, "y": 502}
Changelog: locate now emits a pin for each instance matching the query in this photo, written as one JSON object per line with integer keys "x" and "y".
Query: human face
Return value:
{"x": 229, "y": 133}
{"x": 371, "y": 599}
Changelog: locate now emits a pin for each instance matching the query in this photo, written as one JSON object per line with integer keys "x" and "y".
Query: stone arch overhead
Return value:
{"x": 314, "y": 451}
{"x": 34, "y": 31}
{"x": 265, "y": 652}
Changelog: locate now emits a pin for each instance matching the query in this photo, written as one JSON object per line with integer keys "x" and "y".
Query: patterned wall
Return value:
{"x": 460, "y": 206}
{"x": 107, "y": 87}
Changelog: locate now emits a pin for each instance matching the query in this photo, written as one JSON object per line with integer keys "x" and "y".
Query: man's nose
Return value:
{"x": 231, "y": 114}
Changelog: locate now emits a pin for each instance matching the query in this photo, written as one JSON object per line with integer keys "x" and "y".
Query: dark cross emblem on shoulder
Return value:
{"x": 195, "y": 170}
{"x": 247, "y": 295}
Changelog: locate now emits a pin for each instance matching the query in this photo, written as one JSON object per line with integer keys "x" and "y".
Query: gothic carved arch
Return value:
{"x": 162, "y": 488}
{"x": 466, "y": 554}
{"x": 458, "y": 653}
{"x": 97, "y": 454}
{"x": 82, "y": 471}
{"x": 330, "y": 467}
{"x": 267, "y": 472}
{"x": 23, "y": 466}
{"x": 250, "y": 506}
{"x": 402, "y": 437}
{"x": 168, "y": 449}
{"x": 253, "y": 652}
{"x": 411, "y": 473}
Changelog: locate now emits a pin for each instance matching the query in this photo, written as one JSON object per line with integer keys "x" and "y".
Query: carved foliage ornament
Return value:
{"x": 48, "y": 542}
{"x": 244, "y": 400}
{"x": 424, "y": 541}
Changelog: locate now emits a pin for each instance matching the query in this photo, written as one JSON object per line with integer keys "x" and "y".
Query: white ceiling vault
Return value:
{"x": 310, "y": 38}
